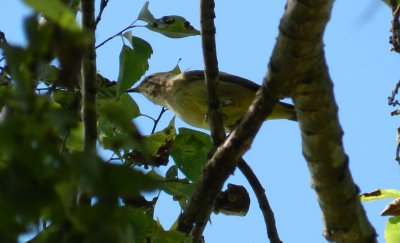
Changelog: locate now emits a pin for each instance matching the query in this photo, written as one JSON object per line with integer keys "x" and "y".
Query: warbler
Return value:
{"x": 185, "y": 94}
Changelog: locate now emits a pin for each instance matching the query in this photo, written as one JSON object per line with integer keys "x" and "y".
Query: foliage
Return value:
{"x": 43, "y": 167}
{"x": 392, "y": 234}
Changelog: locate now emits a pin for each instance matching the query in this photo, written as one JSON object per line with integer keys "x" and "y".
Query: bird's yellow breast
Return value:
{"x": 189, "y": 101}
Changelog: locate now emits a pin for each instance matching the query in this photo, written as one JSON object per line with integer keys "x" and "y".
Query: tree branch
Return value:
{"x": 300, "y": 49}
{"x": 297, "y": 67}
{"x": 211, "y": 73}
{"x": 103, "y": 5}
{"x": 89, "y": 85}
{"x": 262, "y": 201}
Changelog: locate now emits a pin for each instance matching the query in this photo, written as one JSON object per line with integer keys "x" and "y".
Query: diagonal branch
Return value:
{"x": 300, "y": 47}
{"x": 103, "y": 5}
{"x": 297, "y": 68}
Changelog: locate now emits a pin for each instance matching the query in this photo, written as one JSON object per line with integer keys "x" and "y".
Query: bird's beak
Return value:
{"x": 134, "y": 90}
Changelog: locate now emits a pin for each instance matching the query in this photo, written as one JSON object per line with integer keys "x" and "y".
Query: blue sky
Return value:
{"x": 362, "y": 68}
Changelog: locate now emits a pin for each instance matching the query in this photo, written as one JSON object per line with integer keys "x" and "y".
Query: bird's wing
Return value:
{"x": 196, "y": 75}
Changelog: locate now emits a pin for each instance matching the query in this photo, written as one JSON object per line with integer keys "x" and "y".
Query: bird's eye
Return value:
{"x": 148, "y": 78}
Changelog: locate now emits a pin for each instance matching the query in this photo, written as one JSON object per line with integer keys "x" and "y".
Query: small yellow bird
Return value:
{"x": 185, "y": 94}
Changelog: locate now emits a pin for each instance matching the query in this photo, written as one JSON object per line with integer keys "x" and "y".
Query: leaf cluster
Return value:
{"x": 43, "y": 167}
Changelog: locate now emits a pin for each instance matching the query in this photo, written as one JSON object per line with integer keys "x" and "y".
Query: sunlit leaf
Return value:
{"x": 392, "y": 230}
{"x": 190, "y": 152}
{"x": 380, "y": 194}
{"x": 145, "y": 14}
{"x": 155, "y": 141}
{"x": 133, "y": 63}
{"x": 171, "y": 26}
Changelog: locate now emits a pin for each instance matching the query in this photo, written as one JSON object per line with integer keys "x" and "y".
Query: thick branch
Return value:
{"x": 297, "y": 68}
{"x": 300, "y": 50}
{"x": 211, "y": 71}
{"x": 344, "y": 216}
{"x": 89, "y": 86}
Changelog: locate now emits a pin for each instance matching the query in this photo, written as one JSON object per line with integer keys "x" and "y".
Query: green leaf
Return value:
{"x": 171, "y": 26}
{"x": 190, "y": 152}
{"x": 392, "y": 230}
{"x": 56, "y": 11}
{"x": 154, "y": 141}
{"x": 49, "y": 74}
{"x": 133, "y": 63}
{"x": 75, "y": 138}
{"x": 115, "y": 122}
{"x": 180, "y": 189}
{"x": 380, "y": 194}
{"x": 145, "y": 14}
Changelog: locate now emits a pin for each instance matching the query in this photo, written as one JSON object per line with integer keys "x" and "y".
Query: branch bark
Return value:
{"x": 211, "y": 71}
{"x": 211, "y": 74}
{"x": 89, "y": 85}
{"x": 262, "y": 199}
{"x": 297, "y": 68}
{"x": 299, "y": 62}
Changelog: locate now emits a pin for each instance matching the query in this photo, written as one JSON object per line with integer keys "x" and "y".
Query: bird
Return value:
{"x": 185, "y": 94}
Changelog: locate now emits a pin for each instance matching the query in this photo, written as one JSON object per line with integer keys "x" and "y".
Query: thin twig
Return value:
{"x": 158, "y": 119}
{"x": 118, "y": 34}
{"x": 103, "y": 5}
{"x": 398, "y": 146}
{"x": 391, "y": 99}
{"x": 262, "y": 201}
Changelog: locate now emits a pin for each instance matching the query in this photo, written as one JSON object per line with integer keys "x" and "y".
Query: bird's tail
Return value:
{"x": 283, "y": 111}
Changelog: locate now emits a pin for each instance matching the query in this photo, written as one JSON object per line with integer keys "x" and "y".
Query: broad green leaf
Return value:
{"x": 380, "y": 194}
{"x": 115, "y": 122}
{"x": 180, "y": 189}
{"x": 56, "y": 11}
{"x": 171, "y": 26}
{"x": 190, "y": 152}
{"x": 49, "y": 74}
{"x": 75, "y": 138}
{"x": 133, "y": 63}
{"x": 154, "y": 141}
{"x": 132, "y": 108}
{"x": 392, "y": 230}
